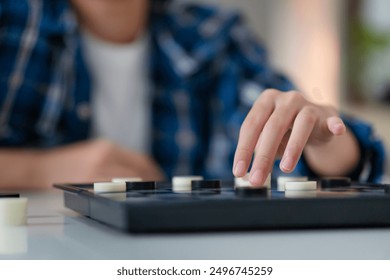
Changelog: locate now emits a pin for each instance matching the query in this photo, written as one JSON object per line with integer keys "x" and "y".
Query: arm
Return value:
{"x": 88, "y": 161}
{"x": 282, "y": 124}
{"x": 118, "y": 21}
{"x": 19, "y": 168}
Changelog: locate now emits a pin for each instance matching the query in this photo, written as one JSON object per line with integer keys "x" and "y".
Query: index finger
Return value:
{"x": 250, "y": 132}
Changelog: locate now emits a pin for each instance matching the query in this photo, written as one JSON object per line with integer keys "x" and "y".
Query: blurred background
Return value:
{"x": 336, "y": 51}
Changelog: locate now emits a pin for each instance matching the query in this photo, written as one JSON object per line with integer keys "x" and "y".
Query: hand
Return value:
{"x": 96, "y": 160}
{"x": 284, "y": 124}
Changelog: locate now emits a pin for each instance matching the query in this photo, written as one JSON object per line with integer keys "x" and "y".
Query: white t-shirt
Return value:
{"x": 120, "y": 98}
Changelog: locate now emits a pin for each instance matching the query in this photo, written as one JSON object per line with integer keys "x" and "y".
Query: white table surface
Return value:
{"x": 54, "y": 232}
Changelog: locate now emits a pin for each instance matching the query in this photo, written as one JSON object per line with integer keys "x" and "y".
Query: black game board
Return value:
{"x": 161, "y": 210}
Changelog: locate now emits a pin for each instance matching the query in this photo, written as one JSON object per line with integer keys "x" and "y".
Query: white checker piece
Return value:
{"x": 13, "y": 211}
{"x": 300, "y": 194}
{"x": 301, "y": 186}
{"x": 183, "y": 183}
{"x": 282, "y": 180}
{"x": 126, "y": 179}
{"x": 242, "y": 182}
{"x": 100, "y": 187}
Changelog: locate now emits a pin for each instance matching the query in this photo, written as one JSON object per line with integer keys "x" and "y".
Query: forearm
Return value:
{"x": 21, "y": 169}
{"x": 86, "y": 161}
{"x": 119, "y": 21}
{"x": 336, "y": 158}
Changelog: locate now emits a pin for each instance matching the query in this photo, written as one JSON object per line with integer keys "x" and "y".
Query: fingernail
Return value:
{"x": 239, "y": 169}
{"x": 338, "y": 128}
{"x": 257, "y": 178}
{"x": 287, "y": 164}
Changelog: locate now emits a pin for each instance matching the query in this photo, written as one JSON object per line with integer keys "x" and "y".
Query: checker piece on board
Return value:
{"x": 184, "y": 183}
{"x": 243, "y": 188}
{"x": 335, "y": 182}
{"x": 282, "y": 180}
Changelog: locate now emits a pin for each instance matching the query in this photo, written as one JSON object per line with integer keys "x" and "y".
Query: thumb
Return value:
{"x": 336, "y": 126}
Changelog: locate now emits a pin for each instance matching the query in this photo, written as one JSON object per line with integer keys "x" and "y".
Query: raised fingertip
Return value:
{"x": 287, "y": 164}
{"x": 239, "y": 169}
{"x": 336, "y": 126}
{"x": 257, "y": 177}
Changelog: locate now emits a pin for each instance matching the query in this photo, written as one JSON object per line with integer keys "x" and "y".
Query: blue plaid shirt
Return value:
{"x": 206, "y": 71}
